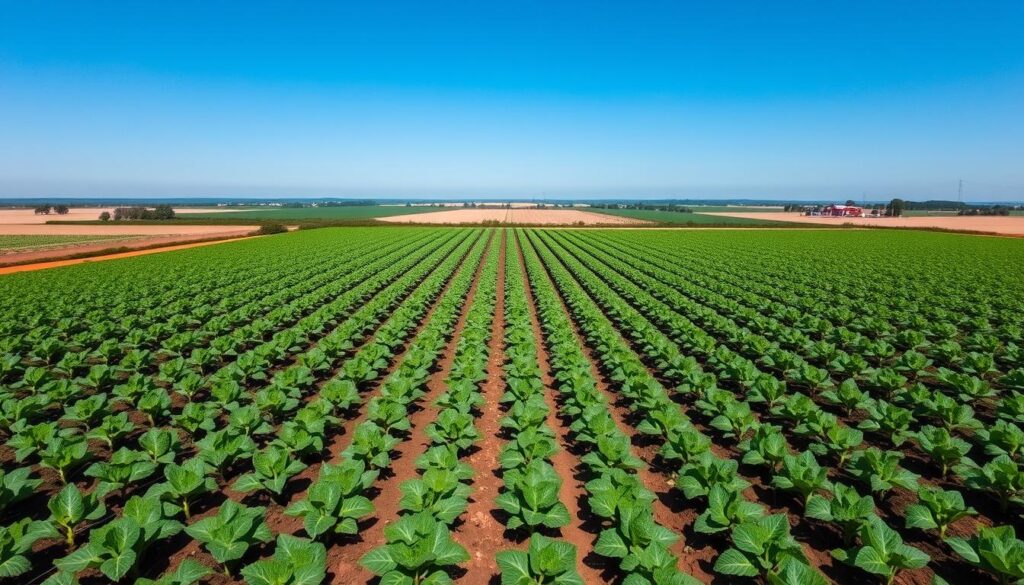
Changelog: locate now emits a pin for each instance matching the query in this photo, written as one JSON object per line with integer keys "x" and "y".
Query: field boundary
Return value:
{"x": 110, "y": 254}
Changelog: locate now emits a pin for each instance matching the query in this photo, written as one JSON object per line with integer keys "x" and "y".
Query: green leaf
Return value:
{"x": 733, "y": 562}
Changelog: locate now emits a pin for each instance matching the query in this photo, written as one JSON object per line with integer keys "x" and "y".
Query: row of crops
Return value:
{"x": 662, "y": 408}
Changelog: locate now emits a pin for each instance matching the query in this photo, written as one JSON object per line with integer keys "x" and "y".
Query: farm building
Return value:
{"x": 843, "y": 211}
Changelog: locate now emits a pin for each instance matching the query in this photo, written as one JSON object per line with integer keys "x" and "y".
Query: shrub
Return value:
{"x": 269, "y": 229}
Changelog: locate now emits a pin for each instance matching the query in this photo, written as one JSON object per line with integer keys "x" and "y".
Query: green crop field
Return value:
{"x": 526, "y": 406}
{"x": 23, "y": 243}
{"x": 341, "y": 213}
{"x": 692, "y": 219}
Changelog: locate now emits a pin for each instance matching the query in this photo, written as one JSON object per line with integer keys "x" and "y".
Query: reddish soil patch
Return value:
{"x": 514, "y": 216}
{"x": 145, "y": 243}
{"x": 1010, "y": 225}
{"x": 482, "y": 534}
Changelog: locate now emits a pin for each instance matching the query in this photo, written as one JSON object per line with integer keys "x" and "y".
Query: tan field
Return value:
{"x": 527, "y": 216}
{"x": 1011, "y": 225}
{"x": 29, "y": 216}
{"x": 120, "y": 230}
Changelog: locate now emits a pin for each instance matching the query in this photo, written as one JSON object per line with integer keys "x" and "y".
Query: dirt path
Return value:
{"x": 482, "y": 534}
{"x": 99, "y": 247}
{"x": 572, "y": 492}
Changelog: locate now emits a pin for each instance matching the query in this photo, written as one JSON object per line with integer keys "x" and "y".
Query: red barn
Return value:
{"x": 843, "y": 211}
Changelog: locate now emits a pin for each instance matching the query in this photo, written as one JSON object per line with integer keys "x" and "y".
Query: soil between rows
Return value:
{"x": 481, "y": 533}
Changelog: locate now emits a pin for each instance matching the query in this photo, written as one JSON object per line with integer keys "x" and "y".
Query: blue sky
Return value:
{"x": 560, "y": 99}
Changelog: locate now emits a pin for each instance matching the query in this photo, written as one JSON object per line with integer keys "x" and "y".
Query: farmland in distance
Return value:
{"x": 427, "y": 405}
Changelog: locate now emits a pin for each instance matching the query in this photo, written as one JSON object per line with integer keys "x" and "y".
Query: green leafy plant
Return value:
{"x": 996, "y": 550}
{"x": 184, "y": 483}
{"x": 115, "y": 548}
{"x": 545, "y": 562}
{"x": 162, "y": 445}
{"x": 372, "y": 445}
{"x": 882, "y": 551}
{"x": 617, "y": 490}
{"x": 296, "y": 561}
{"x": 16, "y": 485}
{"x": 437, "y": 492}
{"x": 726, "y": 509}
{"x": 767, "y": 446}
{"x": 760, "y": 547}
{"x": 847, "y": 509}
{"x": 188, "y": 572}
{"x": 124, "y": 468}
{"x": 64, "y": 452}
{"x": 15, "y": 541}
{"x": 802, "y": 474}
{"x": 697, "y": 477}
{"x": 453, "y": 428}
{"x": 937, "y": 509}
{"x": 69, "y": 508}
{"x": 944, "y": 448}
{"x": 272, "y": 468}
{"x": 231, "y": 532}
{"x": 419, "y": 549}
{"x": 112, "y": 429}
{"x": 336, "y": 501}
{"x": 1000, "y": 476}
{"x": 881, "y": 470}
{"x": 531, "y": 497}
{"x": 612, "y": 452}
{"x": 222, "y": 449}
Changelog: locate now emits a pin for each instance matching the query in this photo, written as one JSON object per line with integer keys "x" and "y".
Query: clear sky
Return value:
{"x": 792, "y": 99}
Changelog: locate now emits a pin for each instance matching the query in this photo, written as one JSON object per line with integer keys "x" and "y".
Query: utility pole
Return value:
{"x": 960, "y": 192}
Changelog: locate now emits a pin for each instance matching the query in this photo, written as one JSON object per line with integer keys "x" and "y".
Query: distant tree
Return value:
{"x": 851, "y": 203}
{"x": 43, "y": 209}
{"x": 163, "y": 212}
{"x": 895, "y": 208}
{"x": 272, "y": 228}
{"x": 61, "y": 209}
{"x": 105, "y": 216}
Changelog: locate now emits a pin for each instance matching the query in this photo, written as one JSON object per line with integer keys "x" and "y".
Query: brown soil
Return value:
{"x": 482, "y": 534}
{"x": 28, "y": 216}
{"x": 146, "y": 245}
{"x": 1009, "y": 225}
{"x": 514, "y": 216}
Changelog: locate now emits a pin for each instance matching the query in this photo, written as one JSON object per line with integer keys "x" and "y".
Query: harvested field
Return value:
{"x": 18, "y": 243}
{"x": 64, "y": 241}
{"x": 628, "y": 396}
{"x": 122, "y": 229}
{"x": 1009, "y": 225}
{"x": 514, "y": 216}
{"x": 44, "y": 259}
{"x": 22, "y": 216}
